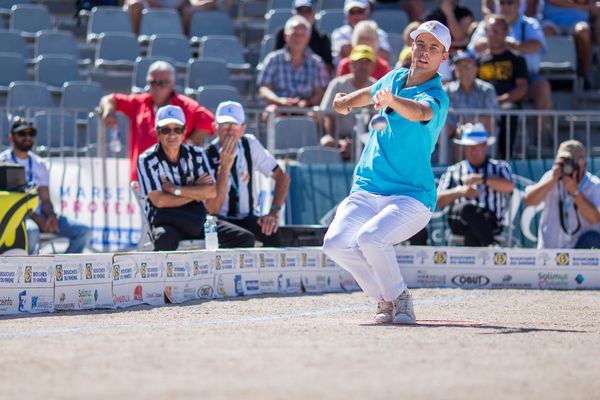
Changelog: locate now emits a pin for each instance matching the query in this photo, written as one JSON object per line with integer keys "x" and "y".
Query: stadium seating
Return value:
{"x": 275, "y": 20}
{"x": 27, "y": 19}
{"x": 291, "y": 133}
{"x": 211, "y": 95}
{"x": 12, "y": 68}
{"x": 331, "y": 5}
{"x": 140, "y": 72}
{"x": 24, "y": 96}
{"x": 206, "y": 71}
{"x": 55, "y": 70}
{"x": 107, "y": 20}
{"x": 81, "y": 96}
{"x": 12, "y": 42}
{"x": 391, "y": 20}
{"x": 329, "y": 20}
{"x": 174, "y": 47}
{"x": 210, "y": 23}
{"x": 157, "y": 21}
{"x": 57, "y": 133}
{"x": 58, "y": 43}
{"x": 318, "y": 155}
{"x": 116, "y": 51}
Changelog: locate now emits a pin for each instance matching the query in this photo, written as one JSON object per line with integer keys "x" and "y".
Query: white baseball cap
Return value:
{"x": 474, "y": 134}
{"x": 169, "y": 115}
{"x": 437, "y": 29}
{"x": 230, "y": 111}
{"x": 350, "y": 4}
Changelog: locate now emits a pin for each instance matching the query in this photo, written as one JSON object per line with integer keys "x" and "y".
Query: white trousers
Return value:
{"x": 362, "y": 235}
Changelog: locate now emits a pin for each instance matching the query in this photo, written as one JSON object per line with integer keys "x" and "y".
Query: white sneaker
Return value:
{"x": 385, "y": 311}
{"x": 404, "y": 312}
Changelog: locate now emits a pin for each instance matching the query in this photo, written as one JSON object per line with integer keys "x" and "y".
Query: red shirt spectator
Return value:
{"x": 141, "y": 112}
{"x": 381, "y": 67}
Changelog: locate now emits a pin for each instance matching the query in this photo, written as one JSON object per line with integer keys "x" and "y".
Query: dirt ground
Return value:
{"x": 514, "y": 344}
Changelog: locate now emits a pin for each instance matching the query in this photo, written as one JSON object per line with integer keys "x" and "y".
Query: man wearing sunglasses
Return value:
{"x": 141, "y": 111}
{"x": 176, "y": 180}
{"x": 235, "y": 157}
{"x": 44, "y": 219}
{"x": 341, "y": 38}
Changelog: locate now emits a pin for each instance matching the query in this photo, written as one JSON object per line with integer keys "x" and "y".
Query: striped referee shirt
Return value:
{"x": 154, "y": 165}
{"x": 488, "y": 198}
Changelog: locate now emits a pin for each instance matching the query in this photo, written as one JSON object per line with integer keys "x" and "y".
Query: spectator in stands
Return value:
{"x": 319, "y": 42}
{"x": 293, "y": 76}
{"x": 185, "y": 7}
{"x": 175, "y": 178}
{"x": 563, "y": 17}
{"x": 341, "y": 126}
{"x": 365, "y": 33}
{"x": 341, "y": 38}
{"x": 507, "y": 72}
{"x": 468, "y": 93}
{"x": 525, "y": 37}
{"x": 141, "y": 111}
{"x": 571, "y": 214}
{"x": 236, "y": 157}
{"x": 414, "y": 8}
{"x": 44, "y": 219}
{"x": 457, "y": 18}
{"x": 405, "y": 56}
{"x": 477, "y": 189}
{"x": 526, "y": 7}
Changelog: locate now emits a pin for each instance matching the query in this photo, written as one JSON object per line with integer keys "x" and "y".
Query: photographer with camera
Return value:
{"x": 571, "y": 216}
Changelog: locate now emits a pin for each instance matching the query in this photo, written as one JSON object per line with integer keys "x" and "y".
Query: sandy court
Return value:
{"x": 534, "y": 344}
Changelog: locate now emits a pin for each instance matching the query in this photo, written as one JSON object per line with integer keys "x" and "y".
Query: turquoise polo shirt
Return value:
{"x": 397, "y": 160}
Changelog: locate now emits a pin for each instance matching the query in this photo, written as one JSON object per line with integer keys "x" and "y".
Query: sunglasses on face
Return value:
{"x": 165, "y": 130}
{"x": 161, "y": 83}
{"x": 28, "y": 132}
{"x": 356, "y": 11}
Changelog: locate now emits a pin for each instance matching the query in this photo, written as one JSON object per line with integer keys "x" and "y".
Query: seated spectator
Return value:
{"x": 571, "y": 195}
{"x": 405, "y": 56}
{"x": 414, "y": 8}
{"x": 525, "y": 37}
{"x": 526, "y": 7}
{"x": 477, "y": 189}
{"x": 561, "y": 17}
{"x": 468, "y": 93}
{"x": 507, "y": 72}
{"x": 365, "y": 33}
{"x": 341, "y": 38}
{"x": 341, "y": 126}
{"x": 185, "y": 7}
{"x": 44, "y": 219}
{"x": 175, "y": 178}
{"x": 141, "y": 111}
{"x": 457, "y": 18}
{"x": 293, "y": 76}
{"x": 319, "y": 42}
{"x": 236, "y": 157}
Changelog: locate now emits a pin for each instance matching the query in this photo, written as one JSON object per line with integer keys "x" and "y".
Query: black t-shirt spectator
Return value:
{"x": 319, "y": 43}
{"x": 438, "y": 15}
{"x": 502, "y": 70}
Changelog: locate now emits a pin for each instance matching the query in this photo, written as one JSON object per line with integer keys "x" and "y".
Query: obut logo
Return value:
{"x": 500, "y": 258}
{"x": 470, "y": 280}
{"x": 27, "y": 274}
{"x": 562, "y": 259}
{"x": 59, "y": 273}
{"x": 440, "y": 257}
{"x": 169, "y": 269}
{"x": 144, "y": 269}
{"x": 116, "y": 272}
{"x": 88, "y": 271}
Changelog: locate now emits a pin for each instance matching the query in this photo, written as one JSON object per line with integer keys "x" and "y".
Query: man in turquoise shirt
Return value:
{"x": 394, "y": 192}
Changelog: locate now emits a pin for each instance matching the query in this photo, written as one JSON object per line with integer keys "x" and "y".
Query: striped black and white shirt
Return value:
{"x": 488, "y": 198}
{"x": 154, "y": 165}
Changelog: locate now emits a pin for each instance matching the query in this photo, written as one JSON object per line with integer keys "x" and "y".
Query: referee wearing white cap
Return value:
{"x": 393, "y": 195}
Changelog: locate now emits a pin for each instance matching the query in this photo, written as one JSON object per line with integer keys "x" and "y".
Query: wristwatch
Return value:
{"x": 177, "y": 191}
{"x": 275, "y": 208}
{"x": 575, "y": 193}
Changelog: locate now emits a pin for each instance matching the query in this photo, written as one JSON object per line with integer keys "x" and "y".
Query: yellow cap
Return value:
{"x": 362, "y": 51}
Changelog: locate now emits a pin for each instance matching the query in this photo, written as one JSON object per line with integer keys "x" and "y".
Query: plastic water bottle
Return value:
{"x": 114, "y": 140}
{"x": 210, "y": 233}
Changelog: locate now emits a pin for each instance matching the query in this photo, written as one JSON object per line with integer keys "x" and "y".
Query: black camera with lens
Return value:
{"x": 568, "y": 167}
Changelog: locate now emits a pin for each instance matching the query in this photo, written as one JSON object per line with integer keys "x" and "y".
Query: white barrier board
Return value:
{"x": 83, "y": 282}
{"x": 189, "y": 276}
{"x": 26, "y": 285}
{"x": 139, "y": 278}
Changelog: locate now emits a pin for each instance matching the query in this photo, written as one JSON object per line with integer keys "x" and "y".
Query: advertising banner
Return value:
{"x": 189, "y": 276}
{"x": 228, "y": 281}
{"x": 270, "y": 274}
{"x": 138, "y": 278}
{"x": 248, "y": 269}
{"x": 83, "y": 282}
{"x": 289, "y": 261}
{"x": 26, "y": 285}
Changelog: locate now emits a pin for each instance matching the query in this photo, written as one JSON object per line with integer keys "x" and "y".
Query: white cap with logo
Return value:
{"x": 437, "y": 29}
{"x": 169, "y": 115}
{"x": 350, "y": 4}
{"x": 230, "y": 112}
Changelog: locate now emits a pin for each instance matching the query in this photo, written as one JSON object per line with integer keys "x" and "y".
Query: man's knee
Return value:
{"x": 333, "y": 243}
{"x": 165, "y": 239}
{"x": 468, "y": 211}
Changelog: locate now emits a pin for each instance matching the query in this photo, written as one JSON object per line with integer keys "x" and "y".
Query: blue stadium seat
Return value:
{"x": 57, "y": 133}
{"x": 206, "y": 71}
{"x": 58, "y": 43}
{"x": 12, "y": 68}
{"x": 211, "y": 95}
{"x": 206, "y": 23}
{"x": 12, "y": 42}
{"x": 175, "y": 47}
{"x": 105, "y": 20}
{"x": 330, "y": 20}
{"x": 318, "y": 155}
{"x": 117, "y": 51}
{"x": 227, "y": 48}
{"x": 55, "y": 70}
{"x": 276, "y": 19}
{"x": 24, "y": 95}
{"x": 83, "y": 97}
{"x": 27, "y": 19}
{"x": 391, "y": 20}
{"x": 292, "y": 133}
{"x": 157, "y": 21}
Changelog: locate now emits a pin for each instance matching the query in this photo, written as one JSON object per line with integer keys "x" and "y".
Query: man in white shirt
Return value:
{"x": 44, "y": 219}
{"x": 571, "y": 216}
{"x": 235, "y": 156}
